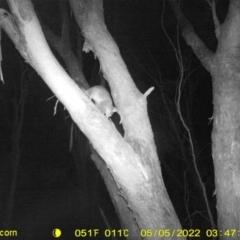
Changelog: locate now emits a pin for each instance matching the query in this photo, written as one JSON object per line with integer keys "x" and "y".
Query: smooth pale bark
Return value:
{"x": 148, "y": 194}
{"x": 132, "y": 161}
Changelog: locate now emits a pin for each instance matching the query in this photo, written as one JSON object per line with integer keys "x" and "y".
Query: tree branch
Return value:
{"x": 191, "y": 38}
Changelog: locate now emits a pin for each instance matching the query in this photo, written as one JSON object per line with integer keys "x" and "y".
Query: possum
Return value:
{"x": 102, "y": 99}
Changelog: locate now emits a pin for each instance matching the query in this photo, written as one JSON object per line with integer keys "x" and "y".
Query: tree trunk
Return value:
{"x": 131, "y": 161}
{"x": 224, "y": 68}
{"x": 226, "y": 140}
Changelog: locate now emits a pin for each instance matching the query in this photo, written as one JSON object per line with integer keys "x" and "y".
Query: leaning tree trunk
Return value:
{"x": 131, "y": 161}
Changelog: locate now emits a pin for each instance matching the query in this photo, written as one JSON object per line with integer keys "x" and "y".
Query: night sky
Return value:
{"x": 54, "y": 190}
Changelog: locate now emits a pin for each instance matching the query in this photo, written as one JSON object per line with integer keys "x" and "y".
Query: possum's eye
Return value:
{"x": 93, "y": 101}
